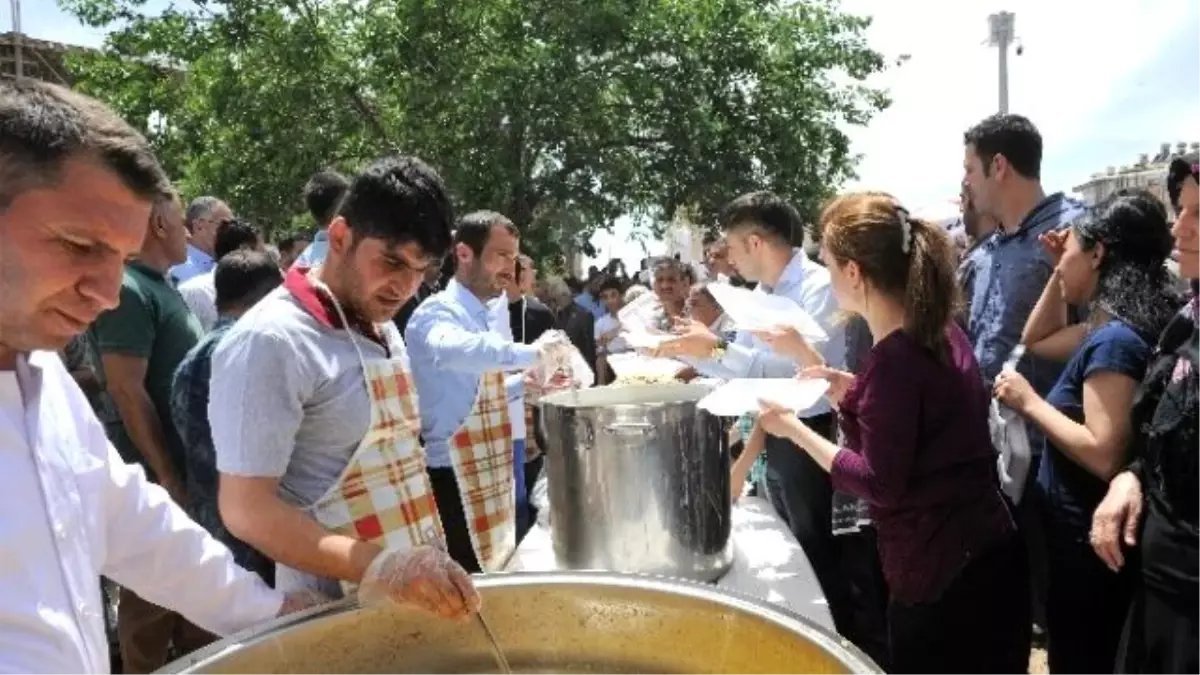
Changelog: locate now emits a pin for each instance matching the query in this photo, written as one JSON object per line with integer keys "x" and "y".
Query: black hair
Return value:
{"x": 42, "y": 126}
{"x": 244, "y": 277}
{"x": 611, "y": 282}
{"x": 1012, "y": 136}
{"x": 767, "y": 212}
{"x": 1177, "y": 173}
{"x": 323, "y": 195}
{"x": 233, "y": 235}
{"x": 1135, "y": 285}
{"x": 201, "y": 207}
{"x": 475, "y": 228}
{"x": 400, "y": 199}
{"x": 289, "y": 242}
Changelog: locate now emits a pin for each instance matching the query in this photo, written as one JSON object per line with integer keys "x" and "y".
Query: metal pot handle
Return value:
{"x": 644, "y": 428}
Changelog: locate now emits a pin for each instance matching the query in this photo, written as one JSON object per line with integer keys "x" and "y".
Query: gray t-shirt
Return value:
{"x": 288, "y": 401}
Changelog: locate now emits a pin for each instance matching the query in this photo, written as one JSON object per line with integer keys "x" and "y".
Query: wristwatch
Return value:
{"x": 718, "y": 351}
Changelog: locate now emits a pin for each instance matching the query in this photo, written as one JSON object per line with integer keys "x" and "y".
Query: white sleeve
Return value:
{"x": 200, "y": 302}
{"x": 155, "y": 550}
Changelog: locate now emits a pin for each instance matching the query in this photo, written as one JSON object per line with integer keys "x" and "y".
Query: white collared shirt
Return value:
{"x": 71, "y": 511}
{"x": 200, "y": 294}
{"x": 198, "y": 262}
{"x": 807, "y": 284}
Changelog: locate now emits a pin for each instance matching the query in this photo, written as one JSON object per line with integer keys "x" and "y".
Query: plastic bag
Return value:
{"x": 1011, "y": 441}
{"x": 738, "y": 397}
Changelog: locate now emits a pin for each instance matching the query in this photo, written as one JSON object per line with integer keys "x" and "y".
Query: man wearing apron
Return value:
{"x": 314, "y": 415}
{"x": 460, "y": 356}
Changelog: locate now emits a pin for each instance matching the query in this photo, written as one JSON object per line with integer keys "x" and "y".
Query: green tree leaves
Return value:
{"x": 563, "y": 114}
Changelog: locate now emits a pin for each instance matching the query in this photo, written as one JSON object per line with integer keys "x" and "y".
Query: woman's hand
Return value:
{"x": 1116, "y": 519}
{"x": 788, "y": 341}
{"x": 1014, "y": 391}
{"x": 1054, "y": 243}
{"x": 777, "y": 420}
{"x": 839, "y": 381}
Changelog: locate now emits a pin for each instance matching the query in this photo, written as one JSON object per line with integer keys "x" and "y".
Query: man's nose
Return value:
{"x": 101, "y": 284}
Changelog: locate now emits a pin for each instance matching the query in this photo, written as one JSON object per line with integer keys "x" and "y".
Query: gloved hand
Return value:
{"x": 297, "y": 601}
{"x": 424, "y": 576}
{"x": 555, "y": 351}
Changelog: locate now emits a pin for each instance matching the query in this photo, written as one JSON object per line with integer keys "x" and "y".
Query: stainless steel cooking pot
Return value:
{"x": 638, "y": 480}
{"x": 562, "y": 622}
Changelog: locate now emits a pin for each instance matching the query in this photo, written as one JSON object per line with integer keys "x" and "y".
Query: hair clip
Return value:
{"x": 905, "y": 229}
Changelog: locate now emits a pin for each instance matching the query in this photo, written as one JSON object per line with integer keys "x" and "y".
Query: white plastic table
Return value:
{"x": 768, "y": 563}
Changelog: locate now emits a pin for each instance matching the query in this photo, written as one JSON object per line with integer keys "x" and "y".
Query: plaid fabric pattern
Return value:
{"x": 383, "y": 495}
{"x": 482, "y": 456}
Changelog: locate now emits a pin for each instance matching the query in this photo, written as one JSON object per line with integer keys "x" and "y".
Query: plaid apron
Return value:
{"x": 481, "y": 452}
{"x": 383, "y": 496}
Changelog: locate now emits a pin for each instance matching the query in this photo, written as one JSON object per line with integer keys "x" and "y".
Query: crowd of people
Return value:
{"x": 231, "y": 430}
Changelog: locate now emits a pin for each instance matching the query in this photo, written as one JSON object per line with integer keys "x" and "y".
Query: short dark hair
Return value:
{"x": 243, "y": 277}
{"x": 201, "y": 207}
{"x": 323, "y": 194}
{"x": 42, "y": 126}
{"x": 1178, "y": 172}
{"x": 233, "y": 235}
{"x": 400, "y": 199}
{"x": 475, "y": 228}
{"x": 611, "y": 282}
{"x": 766, "y": 212}
{"x": 289, "y": 242}
{"x": 1012, "y": 136}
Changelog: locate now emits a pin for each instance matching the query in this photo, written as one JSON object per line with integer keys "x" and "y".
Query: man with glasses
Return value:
{"x": 204, "y": 215}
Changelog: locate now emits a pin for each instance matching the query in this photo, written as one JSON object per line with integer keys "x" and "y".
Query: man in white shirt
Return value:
{"x": 204, "y": 215}
{"x": 760, "y": 229}
{"x": 76, "y": 187}
{"x": 199, "y": 292}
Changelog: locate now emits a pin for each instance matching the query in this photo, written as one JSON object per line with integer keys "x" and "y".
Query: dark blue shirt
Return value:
{"x": 1002, "y": 278}
{"x": 1070, "y": 492}
{"x": 189, "y": 412}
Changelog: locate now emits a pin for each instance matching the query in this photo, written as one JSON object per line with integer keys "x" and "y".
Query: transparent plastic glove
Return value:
{"x": 555, "y": 351}
{"x": 424, "y": 576}
{"x": 298, "y": 601}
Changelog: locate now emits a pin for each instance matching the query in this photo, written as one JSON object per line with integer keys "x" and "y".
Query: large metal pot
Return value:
{"x": 638, "y": 480}
{"x": 563, "y": 622}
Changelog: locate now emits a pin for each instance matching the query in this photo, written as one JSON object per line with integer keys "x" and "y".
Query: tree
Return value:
{"x": 564, "y": 114}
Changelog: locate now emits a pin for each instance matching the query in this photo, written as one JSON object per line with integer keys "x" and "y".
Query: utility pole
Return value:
{"x": 19, "y": 58}
{"x": 1000, "y": 35}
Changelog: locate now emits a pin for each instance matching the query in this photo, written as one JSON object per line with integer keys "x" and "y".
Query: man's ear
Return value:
{"x": 340, "y": 235}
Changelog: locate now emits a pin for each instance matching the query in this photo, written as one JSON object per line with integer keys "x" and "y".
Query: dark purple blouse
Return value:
{"x": 918, "y": 452}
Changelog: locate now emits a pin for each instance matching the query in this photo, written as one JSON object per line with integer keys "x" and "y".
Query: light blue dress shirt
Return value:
{"x": 591, "y": 304}
{"x": 452, "y": 341}
{"x": 198, "y": 262}
{"x": 807, "y": 284}
{"x": 314, "y": 254}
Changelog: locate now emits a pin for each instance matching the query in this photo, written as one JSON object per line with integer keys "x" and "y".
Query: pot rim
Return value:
{"x": 656, "y": 395}
{"x": 853, "y": 658}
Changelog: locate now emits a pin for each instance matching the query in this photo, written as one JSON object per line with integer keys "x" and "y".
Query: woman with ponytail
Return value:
{"x": 917, "y": 447}
{"x": 1113, "y": 262}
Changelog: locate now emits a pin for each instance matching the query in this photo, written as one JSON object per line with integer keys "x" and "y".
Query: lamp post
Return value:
{"x": 18, "y": 57}
{"x": 1000, "y": 35}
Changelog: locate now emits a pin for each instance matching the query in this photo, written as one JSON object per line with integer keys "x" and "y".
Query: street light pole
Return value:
{"x": 1000, "y": 35}
{"x": 19, "y": 58}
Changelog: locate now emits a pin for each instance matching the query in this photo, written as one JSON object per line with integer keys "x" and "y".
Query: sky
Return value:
{"x": 1103, "y": 80}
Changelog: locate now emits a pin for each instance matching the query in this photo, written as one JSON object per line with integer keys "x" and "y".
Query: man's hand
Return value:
{"x": 692, "y": 338}
{"x": 425, "y": 577}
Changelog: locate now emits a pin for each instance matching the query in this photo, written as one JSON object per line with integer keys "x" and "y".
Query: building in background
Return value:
{"x": 1149, "y": 173}
{"x": 40, "y": 59}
